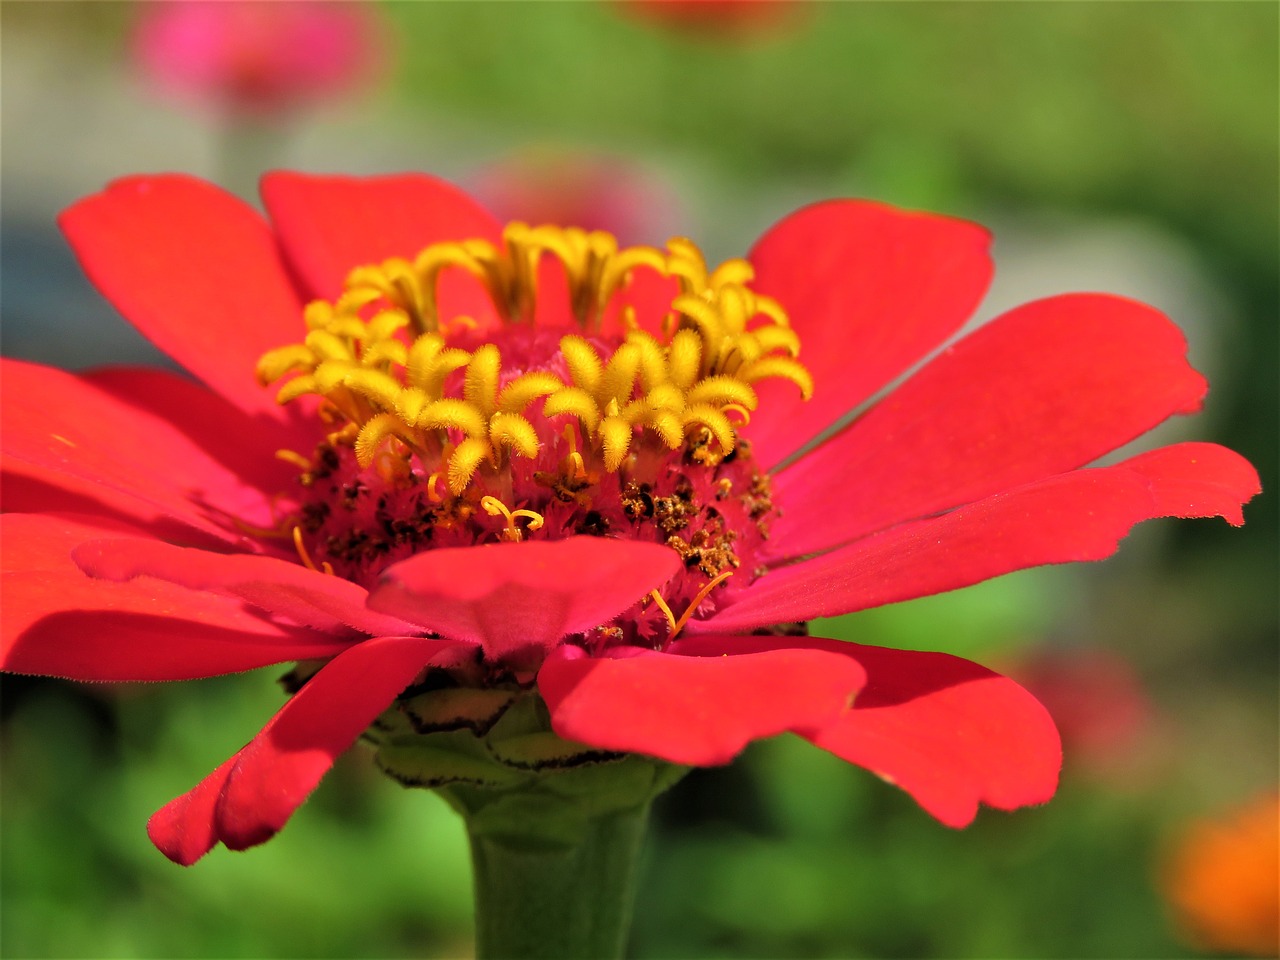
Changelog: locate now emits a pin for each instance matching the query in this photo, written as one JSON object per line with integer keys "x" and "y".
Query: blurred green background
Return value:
{"x": 1130, "y": 147}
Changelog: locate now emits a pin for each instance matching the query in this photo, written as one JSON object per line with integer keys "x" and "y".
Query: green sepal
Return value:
{"x": 555, "y": 826}
{"x": 443, "y": 759}
{"x": 538, "y": 751}
{"x": 457, "y": 708}
{"x": 552, "y": 806}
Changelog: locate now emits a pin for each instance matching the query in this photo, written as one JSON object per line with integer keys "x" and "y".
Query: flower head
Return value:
{"x": 521, "y": 500}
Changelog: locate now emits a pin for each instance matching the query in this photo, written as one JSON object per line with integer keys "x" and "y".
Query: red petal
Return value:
{"x": 284, "y": 763}
{"x": 870, "y": 290}
{"x": 197, "y": 271}
{"x": 46, "y": 422}
{"x": 58, "y": 622}
{"x": 1042, "y": 390}
{"x": 251, "y": 796}
{"x": 288, "y": 590}
{"x": 245, "y": 448}
{"x": 511, "y": 596}
{"x": 700, "y": 707}
{"x": 1198, "y": 480}
{"x": 947, "y": 731}
{"x": 183, "y": 829}
{"x": 1075, "y": 516}
{"x": 648, "y": 295}
{"x": 330, "y": 225}
{"x": 27, "y": 488}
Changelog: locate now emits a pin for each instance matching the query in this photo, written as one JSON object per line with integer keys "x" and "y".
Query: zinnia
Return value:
{"x": 522, "y": 502}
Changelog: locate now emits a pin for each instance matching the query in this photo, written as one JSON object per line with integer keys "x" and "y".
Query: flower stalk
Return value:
{"x": 571, "y": 898}
{"x": 555, "y": 862}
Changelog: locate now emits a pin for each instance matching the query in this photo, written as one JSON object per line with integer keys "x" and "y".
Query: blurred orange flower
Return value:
{"x": 1223, "y": 880}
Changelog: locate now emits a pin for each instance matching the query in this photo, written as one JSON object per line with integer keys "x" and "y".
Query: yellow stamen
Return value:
{"x": 576, "y": 402}
{"x": 379, "y": 357}
{"x": 432, "y": 493}
{"x": 666, "y": 610}
{"x": 252, "y": 530}
{"x": 282, "y": 528}
{"x": 495, "y": 507}
{"x": 696, "y": 602}
{"x": 393, "y": 464}
{"x": 465, "y": 461}
{"x": 325, "y": 566}
{"x": 462, "y": 323}
{"x": 297, "y": 459}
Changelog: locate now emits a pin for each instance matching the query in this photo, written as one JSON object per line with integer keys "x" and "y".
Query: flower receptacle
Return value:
{"x": 555, "y": 827}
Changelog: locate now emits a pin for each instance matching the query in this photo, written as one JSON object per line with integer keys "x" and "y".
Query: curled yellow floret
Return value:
{"x": 390, "y": 370}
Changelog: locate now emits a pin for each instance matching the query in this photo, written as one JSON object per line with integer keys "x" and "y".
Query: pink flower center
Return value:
{"x": 447, "y": 432}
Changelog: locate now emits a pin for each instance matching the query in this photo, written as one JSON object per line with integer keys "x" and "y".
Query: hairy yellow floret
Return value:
{"x": 389, "y": 364}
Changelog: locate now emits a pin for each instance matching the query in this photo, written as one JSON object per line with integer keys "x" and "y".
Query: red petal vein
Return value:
{"x": 949, "y": 732}
{"x": 870, "y": 290}
{"x": 289, "y": 590}
{"x": 159, "y": 459}
{"x": 1044, "y": 389}
{"x": 195, "y": 270}
{"x": 328, "y": 225}
{"x": 1075, "y": 516}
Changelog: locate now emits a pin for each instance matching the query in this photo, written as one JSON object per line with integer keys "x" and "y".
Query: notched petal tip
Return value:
{"x": 328, "y": 224}
{"x": 897, "y": 283}
{"x": 183, "y": 260}
{"x": 183, "y": 829}
{"x": 252, "y": 795}
{"x": 1198, "y": 480}
{"x": 949, "y": 732}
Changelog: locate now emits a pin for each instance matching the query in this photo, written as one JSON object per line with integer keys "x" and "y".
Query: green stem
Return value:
{"x": 570, "y": 898}
{"x": 246, "y": 150}
{"x": 556, "y": 827}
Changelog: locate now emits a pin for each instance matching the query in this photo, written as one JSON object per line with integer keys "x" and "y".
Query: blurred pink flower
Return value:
{"x": 256, "y": 58}
{"x": 596, "y": 191}
{"x": 1097, "y": 700}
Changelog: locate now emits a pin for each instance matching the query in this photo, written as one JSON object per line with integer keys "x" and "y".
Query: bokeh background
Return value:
{"x": 1128, "y": 147}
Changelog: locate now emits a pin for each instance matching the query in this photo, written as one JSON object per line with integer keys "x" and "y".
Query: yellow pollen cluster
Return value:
{"x": 380, "y": 356}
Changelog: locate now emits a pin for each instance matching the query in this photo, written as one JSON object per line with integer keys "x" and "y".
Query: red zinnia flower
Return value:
{"x": 584, "y": 504}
